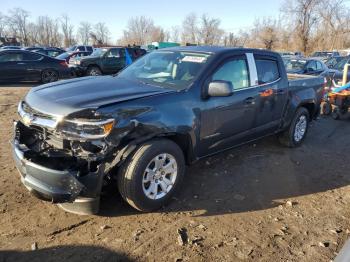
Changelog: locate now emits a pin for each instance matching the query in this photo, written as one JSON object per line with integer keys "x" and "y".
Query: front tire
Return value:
{"x": 94, "y": 71}
{"x": 297, "y": 130}
{"x": 151, "y": 175}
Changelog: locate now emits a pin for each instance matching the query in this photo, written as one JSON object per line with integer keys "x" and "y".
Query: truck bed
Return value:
{"x": 298, "y": 81}
{"x": 299, "y": 76}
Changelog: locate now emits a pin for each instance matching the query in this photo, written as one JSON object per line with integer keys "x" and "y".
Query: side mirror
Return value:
{"x": 220, "y": 88}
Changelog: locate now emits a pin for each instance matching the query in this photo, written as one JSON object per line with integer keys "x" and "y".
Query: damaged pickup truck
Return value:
{"x": 141, "y": 127}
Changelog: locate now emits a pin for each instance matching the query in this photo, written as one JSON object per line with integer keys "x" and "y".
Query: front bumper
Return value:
{"x": 58, "y": 186}
{"x": 78, "y": 70}
{"x": 66, "y": 73}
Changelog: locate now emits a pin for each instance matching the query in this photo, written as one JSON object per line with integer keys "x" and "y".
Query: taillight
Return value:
{"x": 64, "y": 63}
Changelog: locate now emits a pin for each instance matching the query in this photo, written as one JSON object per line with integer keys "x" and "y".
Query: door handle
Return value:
{"x": 21, "y": 63}
{"x": 249, "y": 101}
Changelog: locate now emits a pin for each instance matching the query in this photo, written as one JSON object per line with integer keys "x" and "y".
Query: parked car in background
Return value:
{"x": 333, "y": 60}
{"x": 82, "y": 48}
{"x": 337, "y": 71}
{"x": 171, "y": 107}
{"x": 22, "y": 65}
{"x": 324, "y": 55}
{"x": 107, "y": 60}
{"x": 8, "y": 47}
{"x": 290, "y": 54}
{"x": 71, "y": 56}
{"x": 50, "y": 51}
{"x": 307, "y": 66}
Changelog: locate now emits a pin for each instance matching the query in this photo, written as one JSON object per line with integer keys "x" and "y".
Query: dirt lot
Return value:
{"x": 260, "y": 202}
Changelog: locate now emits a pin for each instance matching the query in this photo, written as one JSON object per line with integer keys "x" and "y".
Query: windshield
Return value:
{"x": 167, "y": 69}
{"x": 99, "y": 52}
{"x": 72, "y": 48}
{"x": 340, "y": 65}
{"x": 293, "y": 65}
{"x": 63, "y": 55}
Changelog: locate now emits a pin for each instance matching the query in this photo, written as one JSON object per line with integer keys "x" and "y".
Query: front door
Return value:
{"x": 226, "y": 121}
{"x": 112, "y": 61}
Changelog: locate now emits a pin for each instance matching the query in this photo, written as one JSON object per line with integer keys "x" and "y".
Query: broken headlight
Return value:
{"x": 88, "y": 129}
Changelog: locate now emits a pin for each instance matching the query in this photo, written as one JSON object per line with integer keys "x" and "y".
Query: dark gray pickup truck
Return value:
{"x": 141, "y": 127}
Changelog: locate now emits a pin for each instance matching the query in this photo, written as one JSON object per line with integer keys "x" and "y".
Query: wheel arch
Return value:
{"x": 182, "y": 140}
{"x": 94, "y": 65}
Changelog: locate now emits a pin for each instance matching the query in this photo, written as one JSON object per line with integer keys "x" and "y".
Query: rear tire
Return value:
{"x": 48, "y": 76}
{"x": 336, "y": 113}
{"x": 151, "y": 175}
{"x": 326, "y": 109}
{"x": 93, "y": 71}
{"x": 296, "y": 132}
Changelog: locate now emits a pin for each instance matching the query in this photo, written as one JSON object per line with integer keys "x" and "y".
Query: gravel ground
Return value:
{"x": 259, "y": 202}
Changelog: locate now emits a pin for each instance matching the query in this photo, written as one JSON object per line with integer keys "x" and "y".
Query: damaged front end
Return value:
{"x": 62, "y": 159}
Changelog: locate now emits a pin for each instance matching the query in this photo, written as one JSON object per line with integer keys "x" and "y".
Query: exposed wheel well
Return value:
{"x": 184, "y": 142}
{"x": 310, "y": 108}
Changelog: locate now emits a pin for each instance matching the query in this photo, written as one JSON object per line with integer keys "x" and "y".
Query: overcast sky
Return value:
{"x": 234, "y": 14}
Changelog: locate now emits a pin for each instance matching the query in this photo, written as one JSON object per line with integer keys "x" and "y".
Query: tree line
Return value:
{"x": 302, "y": 25}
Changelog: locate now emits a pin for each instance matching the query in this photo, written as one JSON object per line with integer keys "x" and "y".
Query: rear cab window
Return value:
{"x": 267, "y": 69}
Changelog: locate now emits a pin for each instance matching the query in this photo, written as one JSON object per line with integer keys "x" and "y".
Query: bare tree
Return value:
{"x": 335, "y": 23}
{"x": 2, "y": 24}
{"x": 175, "y": 34}
{"x": 303, "y": 14}
{"x": 101, "y": 32}
{"x": 18, "y": 23}
{"x": 48, "y": 33}
{"x": 67, "y": 30}
{"x": 139, "y": 31}
{"x": 210, "y": 32}
{"x": 33, "y": 34}
{"x": 158, "y": 34}
{"x": 190, "y": 29}
{"x": 84, "y": 32}
{"x": 266, "y": 32}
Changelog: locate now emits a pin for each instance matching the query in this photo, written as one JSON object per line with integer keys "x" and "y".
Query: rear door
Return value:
{"x": 12, "y": 67}
{"x": 227, "y": 121}
{"x": 33, "y": 65}
{"x": 272, "y": 94}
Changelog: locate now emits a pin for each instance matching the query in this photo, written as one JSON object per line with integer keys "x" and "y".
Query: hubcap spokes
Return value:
{"x": 159, "y": 176}
{"x": 300, "y": 128}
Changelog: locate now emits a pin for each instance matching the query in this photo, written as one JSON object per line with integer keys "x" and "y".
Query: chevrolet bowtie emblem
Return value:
{"x": 28, "y": 119}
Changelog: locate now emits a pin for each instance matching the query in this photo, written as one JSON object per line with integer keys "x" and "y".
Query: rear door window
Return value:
{"x": 32, "y": 57}
{"x": 234, "y": 71}
{"x": 81, "y": 48}
{"x": 89, "y": 49}
{"x": 267, "y": 69}
{"x": 11, "y": 57}
{"x": 114, "y": 52}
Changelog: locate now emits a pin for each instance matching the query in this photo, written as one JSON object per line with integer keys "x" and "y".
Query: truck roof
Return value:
{"x": 218, "y": 49}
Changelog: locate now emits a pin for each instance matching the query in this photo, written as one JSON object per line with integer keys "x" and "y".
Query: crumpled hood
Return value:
{"x": 65, "y": 97}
